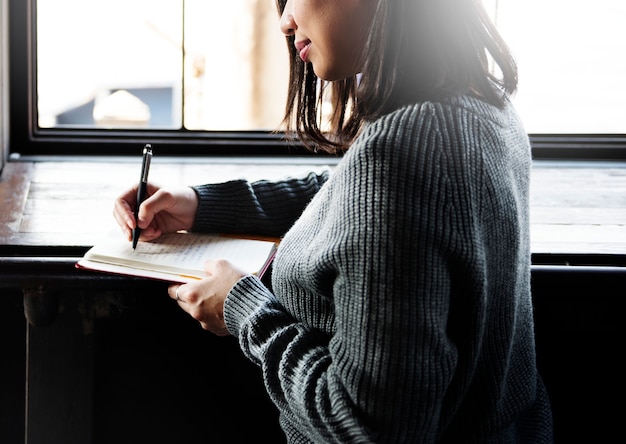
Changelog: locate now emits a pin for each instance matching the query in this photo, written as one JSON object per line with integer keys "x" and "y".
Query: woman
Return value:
{"x": 400, "y": 308}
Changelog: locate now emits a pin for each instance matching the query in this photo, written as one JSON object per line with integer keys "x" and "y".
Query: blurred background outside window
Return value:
{"x": 222, "y": 66}
{"x": 121, "y": 64}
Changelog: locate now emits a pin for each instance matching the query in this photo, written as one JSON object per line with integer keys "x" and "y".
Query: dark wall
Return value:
{"x": 12, "y": 367}
{"x": 157, "y": 377}
{"x": 579, "y": 335}
{"x": 160, "y": 378}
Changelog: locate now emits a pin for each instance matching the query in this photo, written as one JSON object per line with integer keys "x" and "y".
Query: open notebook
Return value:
{"x": 177, "y": 257}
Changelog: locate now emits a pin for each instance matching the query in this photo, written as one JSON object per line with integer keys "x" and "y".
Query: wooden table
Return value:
{"x": 576, "y": 208}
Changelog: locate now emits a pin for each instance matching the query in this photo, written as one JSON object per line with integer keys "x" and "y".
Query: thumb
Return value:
{"x": 151, "y": 206}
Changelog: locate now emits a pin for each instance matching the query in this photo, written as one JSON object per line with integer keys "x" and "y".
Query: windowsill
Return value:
{"x": 64, "y": 205}
{"x": 578, "y": 212}
{"x": 56, "y": 208}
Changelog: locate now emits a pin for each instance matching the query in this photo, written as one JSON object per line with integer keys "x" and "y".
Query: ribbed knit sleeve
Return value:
{"x": 401, "y": 306}
{"x": 262, "y": 207}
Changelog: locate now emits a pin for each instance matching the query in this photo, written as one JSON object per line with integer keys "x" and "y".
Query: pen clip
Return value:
{"x": 145, "y": 166}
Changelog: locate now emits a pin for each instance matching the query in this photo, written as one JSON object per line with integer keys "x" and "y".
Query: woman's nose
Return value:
{"x": 287, "y": 24}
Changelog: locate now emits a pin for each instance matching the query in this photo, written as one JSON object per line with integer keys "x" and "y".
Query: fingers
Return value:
{"x": 202, "y": 304}
{"x": 163, "y": 211}
{"x": 150, "y": 207}
{"x": 176, "y": 207}
{"x": 226, "y": 274}
{"x": 174, "y": 292}
{"x": 123, "y": 212}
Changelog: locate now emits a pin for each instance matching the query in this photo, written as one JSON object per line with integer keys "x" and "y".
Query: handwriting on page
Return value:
{"x": 182, "y": 252}
{"x": 185, "y": 251}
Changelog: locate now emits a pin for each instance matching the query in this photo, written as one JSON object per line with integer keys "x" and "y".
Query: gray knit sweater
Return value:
{"x": 400, "y": 308}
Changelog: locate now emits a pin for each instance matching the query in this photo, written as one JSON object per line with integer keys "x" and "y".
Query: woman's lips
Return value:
{"x": 303, "y": 47}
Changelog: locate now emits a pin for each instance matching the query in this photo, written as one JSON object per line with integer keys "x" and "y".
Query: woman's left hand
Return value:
{"x": 204, "y": 300}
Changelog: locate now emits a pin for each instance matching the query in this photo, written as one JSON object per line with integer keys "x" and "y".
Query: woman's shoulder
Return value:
{"x": 458, "y": 122}
{"x": 443, "y": 112}
{"x": 456, "y": 134}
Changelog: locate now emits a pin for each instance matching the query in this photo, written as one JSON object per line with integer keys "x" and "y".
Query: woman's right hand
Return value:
{"x": 165, "y": 210}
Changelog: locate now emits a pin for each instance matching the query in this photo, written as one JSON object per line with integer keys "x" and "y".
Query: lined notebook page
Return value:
{"x": 182, "y": 253}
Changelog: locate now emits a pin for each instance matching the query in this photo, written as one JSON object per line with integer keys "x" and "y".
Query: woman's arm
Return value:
{"x": 264, "y": 207}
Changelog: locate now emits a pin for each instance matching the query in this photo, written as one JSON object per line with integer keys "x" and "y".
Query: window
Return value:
{"x": 571, "y": 66}
{"x": 164, "y": 64}
{"x": 571, "y": 95}
{"x": 191, "y": 76}
{"x": 201, "y": 77}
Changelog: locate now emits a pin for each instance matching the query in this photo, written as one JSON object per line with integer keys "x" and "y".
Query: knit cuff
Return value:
{"x": 215, "y": 206}
{"x": 246, "y": 297}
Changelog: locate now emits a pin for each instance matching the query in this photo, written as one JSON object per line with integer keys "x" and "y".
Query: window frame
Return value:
{"x": 26, "y": 139}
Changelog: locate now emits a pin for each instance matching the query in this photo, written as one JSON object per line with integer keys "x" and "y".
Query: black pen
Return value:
{"x": 142, "y": 189}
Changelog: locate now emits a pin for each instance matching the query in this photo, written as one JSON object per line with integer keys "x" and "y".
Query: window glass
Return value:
{"x": 571, "y": 63}
{"x": 237, "y": 65}
{"x": 127, "y": 63}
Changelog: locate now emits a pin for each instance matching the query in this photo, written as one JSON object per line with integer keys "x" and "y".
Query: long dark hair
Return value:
{"x": 417, "y": 50}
